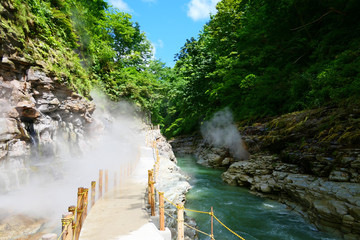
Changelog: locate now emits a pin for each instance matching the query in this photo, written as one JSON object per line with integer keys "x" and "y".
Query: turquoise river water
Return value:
{"x": 250, "y": 216}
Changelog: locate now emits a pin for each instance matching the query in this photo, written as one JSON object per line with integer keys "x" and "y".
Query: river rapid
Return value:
{"x": 250, "y": 216}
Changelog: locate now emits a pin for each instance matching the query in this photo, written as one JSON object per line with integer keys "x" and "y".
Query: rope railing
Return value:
{"x": 180, "y": 208}
{"x": 73, "y": 221}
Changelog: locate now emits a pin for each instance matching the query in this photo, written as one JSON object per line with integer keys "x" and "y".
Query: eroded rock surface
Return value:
{"x": 309, "y": 160}
{"x": 37, "y": 114}
{"x": 40, "y": 119}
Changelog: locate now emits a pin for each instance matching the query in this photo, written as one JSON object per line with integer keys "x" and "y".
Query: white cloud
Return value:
{"x": 121, "y": 5}
{"x": 158, "y": 44}
{"x": 201, "y": 9}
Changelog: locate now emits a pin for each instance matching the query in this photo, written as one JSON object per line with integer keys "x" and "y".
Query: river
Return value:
{"x": 250, "y": 216}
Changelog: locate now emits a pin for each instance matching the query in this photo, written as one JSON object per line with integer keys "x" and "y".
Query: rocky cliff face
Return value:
{"x": 37, "y": 114}
{"x": 308, "y": 160}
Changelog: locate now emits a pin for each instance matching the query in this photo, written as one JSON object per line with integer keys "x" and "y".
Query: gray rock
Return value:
{"x": 9, "y": 129}
{"x": 265, "y": 188}
{"x": 339, "y": 176}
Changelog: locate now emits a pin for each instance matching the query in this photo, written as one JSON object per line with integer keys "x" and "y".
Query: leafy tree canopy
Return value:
{"x": 263, "y": 58}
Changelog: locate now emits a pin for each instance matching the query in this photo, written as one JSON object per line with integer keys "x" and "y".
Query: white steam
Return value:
{"x": 52, "y": 186}
{"x": 220, "y": 131}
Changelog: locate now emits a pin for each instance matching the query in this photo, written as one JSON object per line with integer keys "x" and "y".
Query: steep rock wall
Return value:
{"x": 36, "y": 110}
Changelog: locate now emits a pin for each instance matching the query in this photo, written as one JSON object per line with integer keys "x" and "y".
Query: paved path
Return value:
{"x": 121, "y": 213}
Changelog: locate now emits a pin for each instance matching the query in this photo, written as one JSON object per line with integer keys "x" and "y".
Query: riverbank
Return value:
{"x": 307, "y": 160}
{"x": 250, "y": 216}
{"x": 173, "y": 183}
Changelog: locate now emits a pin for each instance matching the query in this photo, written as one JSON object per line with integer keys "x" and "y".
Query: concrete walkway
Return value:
{"x": 121, "y": 213}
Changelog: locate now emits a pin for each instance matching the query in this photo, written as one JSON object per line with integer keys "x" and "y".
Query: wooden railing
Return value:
{"x": 73, "y": 220}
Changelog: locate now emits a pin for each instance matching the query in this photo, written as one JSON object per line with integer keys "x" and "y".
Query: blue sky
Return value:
{"x": 168, "y": 23}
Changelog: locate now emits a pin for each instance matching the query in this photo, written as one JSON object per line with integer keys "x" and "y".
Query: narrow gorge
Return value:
{"x": 307, "y": 160}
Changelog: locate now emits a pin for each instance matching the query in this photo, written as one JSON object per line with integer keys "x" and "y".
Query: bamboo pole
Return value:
{"x": 161, "y": 211}
{"x": 67, "y": 229}
{"x": 180, "y": 222}
{"x": 79, "y": 210}
{"x": 93, "y": 192}
{"x": 106, "y": 181}
{"x": 212, "y": 222}
{"x": 100, "y": 182}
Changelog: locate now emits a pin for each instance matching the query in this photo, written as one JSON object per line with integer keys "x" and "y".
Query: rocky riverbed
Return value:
{"x": 307, "y": 160}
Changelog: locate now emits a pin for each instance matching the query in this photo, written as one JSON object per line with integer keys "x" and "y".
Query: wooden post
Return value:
{"x": 67, "y": 226}
{"x": 106, "y": 181}
{"x": 115, "y": 180}
{"x": 85, "y": 208}
{"x": 212, "y": 223}
{"x": 152, "y": 189}
{"x": 93, "y": 192}
{"x": 149, "y": 187}
{"x": 180, "y": 224}
{"x": 161, "y": 211}
{"x": 72, "y": 209}
{"x": 100, "y": 182}
{"x": 79, "y": 210}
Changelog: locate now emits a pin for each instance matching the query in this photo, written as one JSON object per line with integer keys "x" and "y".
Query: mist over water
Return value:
{"x": 220, "y": 131}
{"x": 48, "y": 186}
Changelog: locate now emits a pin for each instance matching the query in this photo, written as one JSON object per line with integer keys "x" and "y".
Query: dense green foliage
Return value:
{"x": 258, "y": 58}
{"x": 85, "y": 43}
{"x": 263, "y": 58}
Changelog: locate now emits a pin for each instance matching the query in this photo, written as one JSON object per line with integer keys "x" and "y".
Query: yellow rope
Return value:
{"x": 179, "y": 207}
{"x": 168, "y": 214}
{"x": 209, "y": 235}
{"x": 170, "y": 202}
{"x": 69, "y": 221}
{"x": 228, "y": 228}
{"x": 190, "y": 210}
